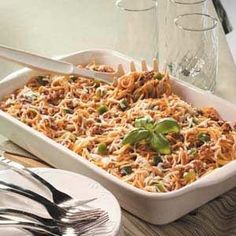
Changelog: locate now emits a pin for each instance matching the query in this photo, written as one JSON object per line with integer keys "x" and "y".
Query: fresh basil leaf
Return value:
{"x": 167, "y": 125}
{"x": 135, "y": 136}
{"x": 160, "y": 144}
{"x": 144, "y": 122}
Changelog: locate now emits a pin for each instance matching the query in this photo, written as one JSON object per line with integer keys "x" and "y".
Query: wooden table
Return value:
{"x": 59, "y": 27}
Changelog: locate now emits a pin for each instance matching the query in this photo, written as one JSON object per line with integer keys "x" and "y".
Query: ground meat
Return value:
{"x": 226, "y": 127}
{"x": 211, "y": 113}
{"x": 56, "y": 96}
{"x": 96, "y": 130}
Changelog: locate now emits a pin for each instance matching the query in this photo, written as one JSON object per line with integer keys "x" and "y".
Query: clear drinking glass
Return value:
{"x": 194, "y": 50}
{"x": 174, "y": 8}
{"x": 180, "y": 7}
{"x": 137, "y": 30}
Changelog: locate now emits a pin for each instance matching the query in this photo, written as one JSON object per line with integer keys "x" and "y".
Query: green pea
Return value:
{"x": 42, "y": 80}
{"x": 97, "y": 83}
{"x": 189, "y": 176}
{"x": 102, "y": 149}
{"x": 137, "y": 95}
{"x": 204, "y": 138}
{"x": 195, "y": 120}
{"x": 124, "y": 104}
{"x": 192, "y": 151}
{"x": 102, "y": 109}
{"x": 73, "y": 78}
{"x": 160, "y": 187}
{"x": 126, "y": 170}
{"x": 100, "y": 92}
{"x": 158, "y": 76}
{"x": 156, "y": 160}
{"x": 68, "y": 110}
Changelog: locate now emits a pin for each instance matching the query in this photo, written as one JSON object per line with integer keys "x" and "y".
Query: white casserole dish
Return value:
{"x": 156, "y": 208}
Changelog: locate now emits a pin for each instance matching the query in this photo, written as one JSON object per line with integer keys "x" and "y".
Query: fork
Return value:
{"x": 45, "y": 64}
{"x": 55, "y": 224}
{"x": 63, "y": 229}
{"x": 32, "y": 226}
{"x": 58, "y": 197}
{"x": 55, "y": 211}
{"x": 85, "y": 217}
{"x": 71, "y": 220}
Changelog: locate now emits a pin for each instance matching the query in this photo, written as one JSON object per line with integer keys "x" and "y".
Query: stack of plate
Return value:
{"x": 75, "y": 185}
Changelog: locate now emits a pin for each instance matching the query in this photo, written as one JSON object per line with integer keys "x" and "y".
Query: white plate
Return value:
{"x": 77, "y": 186}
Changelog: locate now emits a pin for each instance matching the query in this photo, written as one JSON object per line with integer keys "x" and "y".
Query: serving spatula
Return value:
{"x": 49, "y": 65}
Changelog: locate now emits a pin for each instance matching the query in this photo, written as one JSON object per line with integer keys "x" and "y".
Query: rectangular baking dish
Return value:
{"x": 156, "y": 208}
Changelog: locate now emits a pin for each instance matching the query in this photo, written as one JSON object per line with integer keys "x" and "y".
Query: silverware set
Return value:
{"x": 67, "y": 217}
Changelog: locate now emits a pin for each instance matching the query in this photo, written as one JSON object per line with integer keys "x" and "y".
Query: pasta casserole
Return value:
{"x": 136, "y": 129}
